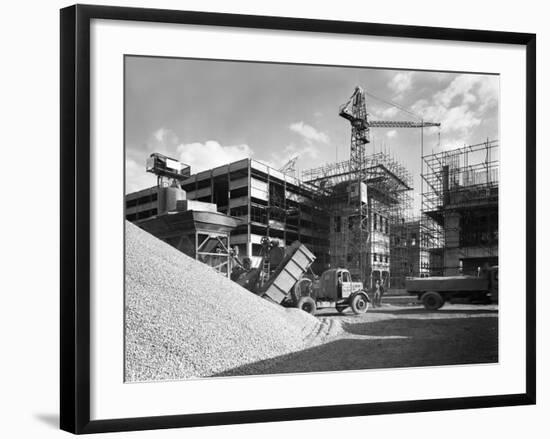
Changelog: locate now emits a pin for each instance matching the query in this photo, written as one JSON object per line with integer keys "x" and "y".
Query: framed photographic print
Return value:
{"x": 304, "y": 218}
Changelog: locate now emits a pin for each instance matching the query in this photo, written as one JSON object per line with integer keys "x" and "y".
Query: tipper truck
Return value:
{"x": 334, "y": 289}
{"x": 433, "y": 292}
{"x": 281, "y": 277}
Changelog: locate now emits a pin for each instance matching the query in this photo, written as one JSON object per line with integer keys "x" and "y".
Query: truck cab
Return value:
{"x": 335, "y": 289}
{"x": 336, "y": 284}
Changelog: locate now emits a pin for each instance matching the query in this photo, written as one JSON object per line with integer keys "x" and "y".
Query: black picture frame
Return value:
{"x": 75, "y": 217}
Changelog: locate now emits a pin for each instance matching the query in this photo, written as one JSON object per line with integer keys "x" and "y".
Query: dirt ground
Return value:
{"x": 395, "y": 335}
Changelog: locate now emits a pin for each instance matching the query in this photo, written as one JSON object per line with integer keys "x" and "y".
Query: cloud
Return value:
{"x": 389, "y": 113}
{"x": 280, "y": 158}
{"x": 461, "y": 107}
{"x": 160, "y": 134}
{"x": 136, "y": 177}
{"x": 309, "y": 133}
{"x": 207, "y": 155}
{"x": 461, "y": 119}
{"x": 303, "y": 151}
{"x": 460, "y": 90}
{"x": 391, "y": 133}
{"x": 488, "y": 92}
{"x": 400, "y": 83}
{"x": 163, "y": 140}
{"x": 200, "y": 156}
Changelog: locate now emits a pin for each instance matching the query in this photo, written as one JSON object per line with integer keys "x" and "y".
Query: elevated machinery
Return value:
{"x": 167, "y": 168}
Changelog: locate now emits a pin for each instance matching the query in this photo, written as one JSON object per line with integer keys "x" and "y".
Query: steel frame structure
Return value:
{"x": 459, "y": 185}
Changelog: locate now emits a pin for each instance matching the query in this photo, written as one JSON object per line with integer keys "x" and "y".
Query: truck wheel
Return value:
{"x": 359, "y": 303}
{"x": 307, "y": 304}
{"x": 432, "y": 300}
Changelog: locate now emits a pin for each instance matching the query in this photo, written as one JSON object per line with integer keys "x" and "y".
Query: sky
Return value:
{"x": 206, "y": 113}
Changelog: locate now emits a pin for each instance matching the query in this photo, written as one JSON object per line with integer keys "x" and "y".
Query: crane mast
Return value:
{"x": 355, "y": 111}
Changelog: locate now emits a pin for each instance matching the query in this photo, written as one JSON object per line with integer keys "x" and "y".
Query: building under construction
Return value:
{"x": 409, "y": 250}
{"x": 355, "y": 214}
{"x": 344, "y": 223}
{"x": 369, "y": 200}
{"x": 347, "y": 213}
{"x": 365, "y": 216}
{"x": 460, "y": 208}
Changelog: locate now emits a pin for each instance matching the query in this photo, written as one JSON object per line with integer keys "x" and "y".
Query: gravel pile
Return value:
{"x": 184, "y": 320}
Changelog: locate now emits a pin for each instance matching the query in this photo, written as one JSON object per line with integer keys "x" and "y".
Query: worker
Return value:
{"x": 378, "y": 293}
{"x": 339, "y": 284}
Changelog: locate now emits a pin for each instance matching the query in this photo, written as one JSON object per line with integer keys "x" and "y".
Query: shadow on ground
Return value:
{"x": 49, "y": 419}
{"x": 443, "y": 311}
{"x": 388, "y": 343}
{"x": 421, "y": 311}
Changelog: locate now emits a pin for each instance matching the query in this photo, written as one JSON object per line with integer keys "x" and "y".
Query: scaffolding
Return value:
{"x": 460, "y": 208}
{"x": 386, "y": 194}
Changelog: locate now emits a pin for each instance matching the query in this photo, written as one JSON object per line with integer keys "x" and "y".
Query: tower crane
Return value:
{"x": 355, "y": 111}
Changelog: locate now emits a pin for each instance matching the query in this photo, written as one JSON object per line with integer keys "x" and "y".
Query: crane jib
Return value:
{"x": 401, "y": 124}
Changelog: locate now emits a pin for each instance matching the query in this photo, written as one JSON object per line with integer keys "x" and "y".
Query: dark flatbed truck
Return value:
{"x": 433, "y": 292}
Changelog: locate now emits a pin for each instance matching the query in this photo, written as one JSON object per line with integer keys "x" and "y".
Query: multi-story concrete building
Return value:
{"x": 268, "y": 203}
{"x": 142, "y": 204}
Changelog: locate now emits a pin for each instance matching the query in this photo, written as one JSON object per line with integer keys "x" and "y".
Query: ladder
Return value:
{"x": 266, "y": 263}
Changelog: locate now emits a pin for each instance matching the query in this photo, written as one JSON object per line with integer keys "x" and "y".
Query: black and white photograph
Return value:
{"x": 291, "y": 218}
{"x": 275, "y": 219}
